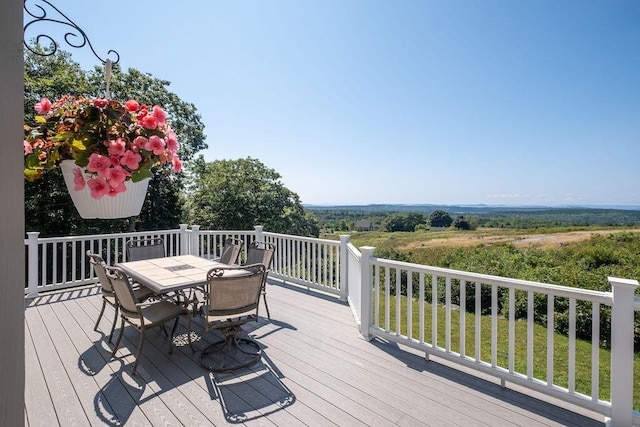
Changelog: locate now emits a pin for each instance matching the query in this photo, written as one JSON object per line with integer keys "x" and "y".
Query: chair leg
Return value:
{"x": 264, "y": 298}
{"x": 115, "y": 320}
{"x": 140, "y": 344}
{"x": 104, "y": 305}
{"x": 173, "y": 331}
{"x": 189, "y": 333}
{"x": 115, "y": 347}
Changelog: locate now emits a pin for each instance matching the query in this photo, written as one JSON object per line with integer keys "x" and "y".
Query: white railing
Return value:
{"x": 401, "y": 292}
{"x": 60, "y": 262}
{"x": 405, "y": 313}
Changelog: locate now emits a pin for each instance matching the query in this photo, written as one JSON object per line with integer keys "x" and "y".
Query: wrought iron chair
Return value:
{"x": 232, "y": 297}
{"x": 148, "y": 248}
{"x": 231, "y": 249}
{"x": 143, "y": 316}
{"x": 261, "y": 253}
{"x": 140, "y": 293}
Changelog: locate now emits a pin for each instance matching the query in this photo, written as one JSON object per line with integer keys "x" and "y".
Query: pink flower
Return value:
{"x": 155, "y": 144}
{"x": 172, "y": 143}
{"x": 99, "y": 187}
{"x": 139, "y": 143}
{"x": 78, "y": 179}
{"x": 116, "y": 175}
{"x": 130, "y": 159}
{"x": 28, "y": 149}
{"x": 117, "y": 147}
{"x": 43, "y": 107}
{"x": 99, "y": 164}
{"x": 100, "y": 103}
{"x": 159, "y": 114}
{"x": 132, "y": 105}
{"x": 149, "y": 122}
{"x": 177, "y": 164}
{"x": 116, "y": 188}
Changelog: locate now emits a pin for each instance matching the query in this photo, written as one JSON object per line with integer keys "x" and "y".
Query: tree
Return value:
{"x": 48, "y": 206}
{"x": 461, "y": 223}
{"x": 239, "y": 194}
{"x": 440, "y": 218}
{"x": 403, "y": 222}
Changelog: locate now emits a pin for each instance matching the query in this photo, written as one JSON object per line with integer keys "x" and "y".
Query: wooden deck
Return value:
{"x": 315, "y": 371}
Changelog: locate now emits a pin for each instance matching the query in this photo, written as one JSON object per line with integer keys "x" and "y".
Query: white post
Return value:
{"x": 32, "y": 263}
{"x": 184, "y": 239}
{"x": 258, "y": 233}
{"x": 344, "y": 265}
{"x": 622, "y": 330}
{"x": 195, "y": 240}
{"x": 365, "y": 290}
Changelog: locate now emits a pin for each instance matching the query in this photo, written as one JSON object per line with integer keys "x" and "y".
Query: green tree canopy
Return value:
{"x": 440, "y": 218}
{"x": 461, "y": 223}
{"x": 48, "y": 206}
{"x": 403, "y": 222}
{"x": 239, "y": 194}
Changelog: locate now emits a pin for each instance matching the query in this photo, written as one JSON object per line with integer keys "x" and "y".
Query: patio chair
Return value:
{"x": 261, "y": 253}
{"x": 141, "y": 293}
{"x": 231, "y": 249}
{"x": 148, "y": 248}
{"x": 232, "y": 297}
{"x": 146, "y": 315}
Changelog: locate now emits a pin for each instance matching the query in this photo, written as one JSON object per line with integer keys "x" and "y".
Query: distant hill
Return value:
{"x": 565, "y": 215}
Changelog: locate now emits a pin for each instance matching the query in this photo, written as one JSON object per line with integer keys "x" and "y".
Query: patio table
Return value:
{"x": 175, "y": 273}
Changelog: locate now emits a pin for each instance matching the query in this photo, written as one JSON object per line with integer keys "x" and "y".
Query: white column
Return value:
{"x": 365, "y": 290}
{"x": 184, "y": 239}
{"x": 344, "y": 265}
{"x": 259, "y": 237}
{"x": 12, "y": 254}
{"x": 195, "y": 240}
{"x": 32, "y": 264}
{"x": 622, "y": 351}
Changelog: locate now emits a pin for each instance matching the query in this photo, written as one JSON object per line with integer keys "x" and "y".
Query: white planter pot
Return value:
{"x": 123, "y": 205}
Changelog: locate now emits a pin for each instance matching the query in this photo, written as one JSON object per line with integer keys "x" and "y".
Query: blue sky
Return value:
{"x": 370, "y": 101}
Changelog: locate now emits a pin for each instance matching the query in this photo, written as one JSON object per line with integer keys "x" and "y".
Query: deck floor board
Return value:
{"x": 316, "y": 371}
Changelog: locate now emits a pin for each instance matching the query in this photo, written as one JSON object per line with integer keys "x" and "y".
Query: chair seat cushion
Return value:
{"x": 142, "y": 293}
{"x": 159, "y": 312}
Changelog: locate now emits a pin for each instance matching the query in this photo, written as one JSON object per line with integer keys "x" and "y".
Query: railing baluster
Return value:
{"x": 422, "y": 298}
{"x": 447, "y": 314}
{"x": 494, "y": 326}
{"x": 478, "y": 311}
{"x": 572, "y": 345}
{"x": 463, "y": 320}
{"x": 530, "y": 334}
{"x": 595, "y": 351}
{"x": 550, "y": 337}
{"x": 434, "y": 310}
{"x": 512, "y": 329}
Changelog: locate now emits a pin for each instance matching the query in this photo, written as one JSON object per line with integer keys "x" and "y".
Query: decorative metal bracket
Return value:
{"x": 75, "y": 37}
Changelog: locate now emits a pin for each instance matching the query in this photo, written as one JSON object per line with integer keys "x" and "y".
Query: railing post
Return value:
{"x": 622, "y": 331}
{"x": 365, "y": 290}
{"x": 258, "y": 233}
{"x": 195, "y": 240}
{"x": 184, "y": 239}
{"x": 32, "y": 263}
{"x": 344, "y": 263}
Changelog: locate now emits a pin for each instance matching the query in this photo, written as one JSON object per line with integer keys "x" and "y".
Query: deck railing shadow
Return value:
{"x": 553, "y": 412}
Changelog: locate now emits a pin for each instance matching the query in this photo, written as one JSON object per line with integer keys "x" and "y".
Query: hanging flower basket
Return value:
{"x": 121, "y": 205}
{"x": 105, "y": 149}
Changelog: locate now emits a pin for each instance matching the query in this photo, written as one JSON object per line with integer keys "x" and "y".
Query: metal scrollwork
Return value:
{"x": 75, "y": 37}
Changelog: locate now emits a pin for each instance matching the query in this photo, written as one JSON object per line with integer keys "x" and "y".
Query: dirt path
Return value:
{"x": 539, "y": 240}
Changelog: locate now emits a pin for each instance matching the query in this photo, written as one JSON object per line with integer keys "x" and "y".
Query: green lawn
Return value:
{"x": 561, "y": 347}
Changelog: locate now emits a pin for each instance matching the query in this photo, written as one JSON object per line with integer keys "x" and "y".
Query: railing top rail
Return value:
{"x": 106, "y": 236}
{"x": 302, "y": 238}
{"x": 226, "y": 231}
{"x": 527, "y": 285}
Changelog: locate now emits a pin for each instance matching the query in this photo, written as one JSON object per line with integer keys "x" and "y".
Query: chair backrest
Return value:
{"x": 231, "y": 251}
{"x": 124, "y": 292}
{"x": 260, "y": 253}
{"x": 145, "y": 249}
{"x": 100, "y": 267}
{"x": 234, "y": 291}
